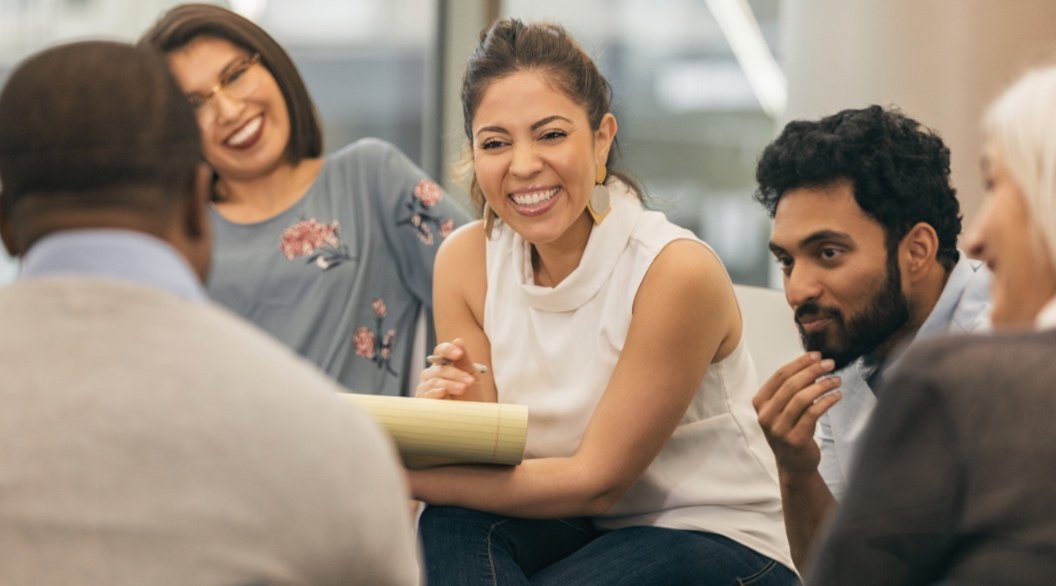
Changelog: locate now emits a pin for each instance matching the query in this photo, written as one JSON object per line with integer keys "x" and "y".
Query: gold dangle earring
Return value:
{"x": 489, "y": 220}
{"x": 600, "y": 203}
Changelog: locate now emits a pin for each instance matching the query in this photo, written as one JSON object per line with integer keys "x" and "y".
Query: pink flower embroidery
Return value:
{"x": 386, "y": 344}
{"x": 379, "y": 308}
{"x": 371, "y": 343}
{"x": 428, "y": 192}
{"x": 364, "y": 341}
{"x": 446, "y": 227}
{"x": 426, "y": 222}
{"x": 425, "y": 234}
{"x": 306, "y": 236}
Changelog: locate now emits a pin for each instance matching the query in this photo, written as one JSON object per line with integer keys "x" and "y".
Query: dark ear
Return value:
{"x": 7, "y": 234}
{"x": 197, "y": 231}
{"x": 198, "y": 210}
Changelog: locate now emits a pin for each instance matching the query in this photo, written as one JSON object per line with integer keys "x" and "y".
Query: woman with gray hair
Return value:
{"x": 956, "y": 482}
{"x": 1016, "y": 229}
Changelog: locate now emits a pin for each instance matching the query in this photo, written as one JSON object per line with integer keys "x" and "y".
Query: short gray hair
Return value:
{"x": 1021, "y": 125}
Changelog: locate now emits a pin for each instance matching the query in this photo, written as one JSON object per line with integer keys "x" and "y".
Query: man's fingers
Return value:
{"x": 776, "y": 380}
{"x": 806, "y": 398}
{"x": 803, "y": 429}
{"x": 797, "y": 382}
{"x": 804, "y": 378}
{"x": 798, "y": 405}
{"x": 772, "y": 399}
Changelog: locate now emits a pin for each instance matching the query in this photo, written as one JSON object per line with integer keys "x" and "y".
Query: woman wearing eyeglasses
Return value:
{"x": 332, "y": 255}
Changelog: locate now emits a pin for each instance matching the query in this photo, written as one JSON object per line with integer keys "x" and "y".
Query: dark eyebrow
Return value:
{"x": 493, "y": 129}
{"x": 234, "y": 64}
{"x": 534, "y": 126}
{"x": 548, "y": 120}
{"x": 819, "y": 236}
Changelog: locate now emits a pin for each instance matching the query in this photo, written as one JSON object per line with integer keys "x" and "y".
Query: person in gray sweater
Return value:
{"x": 147, "y": 435}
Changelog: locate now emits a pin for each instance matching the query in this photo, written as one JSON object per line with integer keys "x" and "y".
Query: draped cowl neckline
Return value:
{"x": 605, "y": 245}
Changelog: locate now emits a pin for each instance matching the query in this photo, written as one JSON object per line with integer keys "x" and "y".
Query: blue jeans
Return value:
{"x": 466, "y": 547}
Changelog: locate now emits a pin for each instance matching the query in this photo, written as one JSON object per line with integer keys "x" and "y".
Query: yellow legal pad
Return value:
{"x": 435, "y": 432}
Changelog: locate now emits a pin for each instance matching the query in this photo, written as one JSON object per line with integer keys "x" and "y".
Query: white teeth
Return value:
{"x": 246, "y": 132}
{"x": 533, "y": 197}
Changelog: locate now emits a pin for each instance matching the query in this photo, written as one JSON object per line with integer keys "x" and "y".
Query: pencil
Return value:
{"x": 440, "y": 361}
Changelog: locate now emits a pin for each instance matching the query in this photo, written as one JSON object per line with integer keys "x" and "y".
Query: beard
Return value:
{"x": 850, "y": 337}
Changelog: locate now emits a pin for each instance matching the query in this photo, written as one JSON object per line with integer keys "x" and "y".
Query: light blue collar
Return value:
{"x": 966, "y": 293}
{"x": 123, "y": 255}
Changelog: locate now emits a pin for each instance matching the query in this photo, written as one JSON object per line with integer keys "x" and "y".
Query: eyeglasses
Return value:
{"x": 234, "y": 82}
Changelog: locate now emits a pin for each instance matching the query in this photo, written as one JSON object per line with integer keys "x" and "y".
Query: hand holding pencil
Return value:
{"x": 451, "y": 373}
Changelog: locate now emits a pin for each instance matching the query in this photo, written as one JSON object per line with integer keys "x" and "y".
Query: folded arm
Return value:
{"x": 684, "y": 317}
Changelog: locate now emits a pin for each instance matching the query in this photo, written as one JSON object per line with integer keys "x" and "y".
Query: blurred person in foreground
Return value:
{"x": 150, "y": 437}
{"x": 956, "y": 482}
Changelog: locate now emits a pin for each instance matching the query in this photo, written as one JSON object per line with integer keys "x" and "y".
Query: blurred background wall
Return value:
{"x": 941, "y": 61}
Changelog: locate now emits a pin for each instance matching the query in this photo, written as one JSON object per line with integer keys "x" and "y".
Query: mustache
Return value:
{"x": 814, "y": 310}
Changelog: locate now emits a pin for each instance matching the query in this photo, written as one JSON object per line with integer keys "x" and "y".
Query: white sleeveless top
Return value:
{"x": 554, "y": 350}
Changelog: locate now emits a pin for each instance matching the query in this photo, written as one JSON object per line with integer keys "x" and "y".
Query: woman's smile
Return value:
{"x": 247, "y": 135}
{"x": 534, "y": 202}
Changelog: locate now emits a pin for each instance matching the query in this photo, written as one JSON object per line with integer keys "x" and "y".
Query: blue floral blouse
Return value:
{"x": 343, "y": 274}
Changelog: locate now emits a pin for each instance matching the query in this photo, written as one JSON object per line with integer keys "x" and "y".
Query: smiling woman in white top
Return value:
{"x": 621, "y": 333}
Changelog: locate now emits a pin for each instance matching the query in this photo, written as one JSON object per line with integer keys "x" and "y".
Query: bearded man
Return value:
{"x": 865, "y": 232}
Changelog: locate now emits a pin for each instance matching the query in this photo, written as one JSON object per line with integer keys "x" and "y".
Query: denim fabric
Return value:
{"x": 466, "y": 547}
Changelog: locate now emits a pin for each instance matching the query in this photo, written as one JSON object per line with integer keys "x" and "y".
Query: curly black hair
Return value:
{"x": 899, "y": 171}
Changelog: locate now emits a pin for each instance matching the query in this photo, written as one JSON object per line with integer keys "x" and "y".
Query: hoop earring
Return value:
{"x": 600, "y": 203}
{"x": 489, "y": 221}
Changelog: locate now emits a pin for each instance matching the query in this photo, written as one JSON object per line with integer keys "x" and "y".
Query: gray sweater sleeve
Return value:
{"x": 896, "y": 523}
